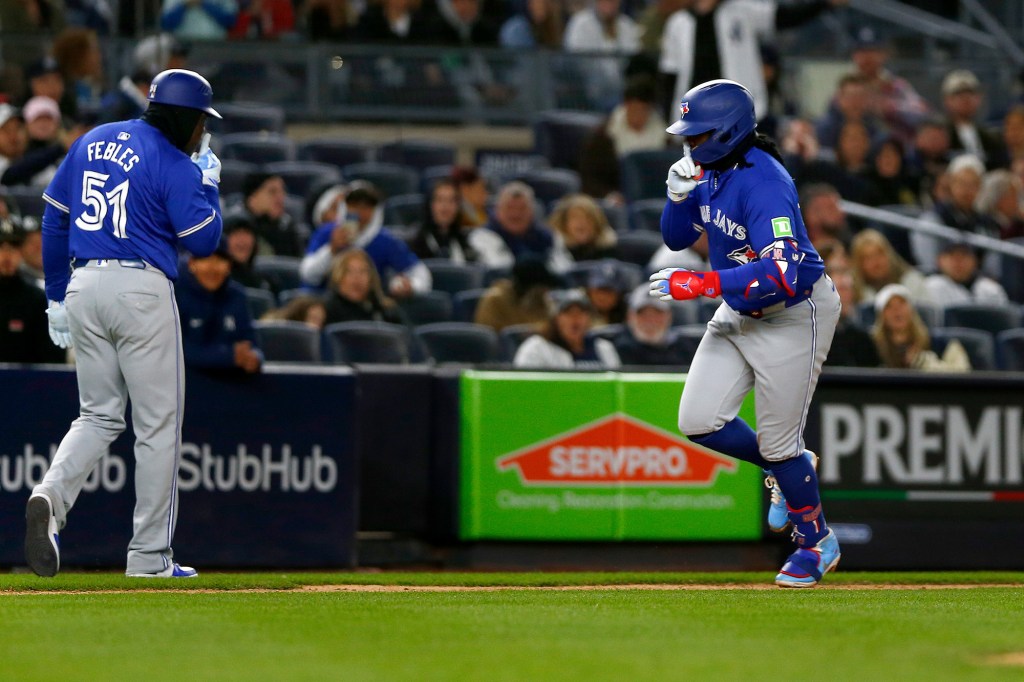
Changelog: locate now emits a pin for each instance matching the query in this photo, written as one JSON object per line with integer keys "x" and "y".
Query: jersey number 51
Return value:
{"x": 97, "y": 201}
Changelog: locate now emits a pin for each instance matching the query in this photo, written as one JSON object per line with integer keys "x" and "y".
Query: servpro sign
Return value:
{"x": 594, "y": 456}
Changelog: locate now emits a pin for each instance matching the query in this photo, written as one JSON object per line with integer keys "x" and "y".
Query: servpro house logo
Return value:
{"x": 613, "y": 451}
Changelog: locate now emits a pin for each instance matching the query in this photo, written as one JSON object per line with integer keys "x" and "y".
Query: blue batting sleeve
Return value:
{"x": 56, "y": 261}
{"x": 681, "y": 223}
{"x": 194, "y": 208}
{"x": 775, "y": 272}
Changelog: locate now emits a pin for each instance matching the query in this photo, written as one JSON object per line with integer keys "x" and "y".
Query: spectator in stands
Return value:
{"x": 876, "y": 265}
{"x": 834, "y": 255}
{"x": 241, "y": 243}
{"x": 632, "y": 126}
{"x": 26, "y": 17}
{"x": 264, "y": 208}
{"x": 602, "y": 27}
{"x": 824, "y": 219}
{"x": 852, "y": 345}
{"x": 32, "y": 253}
{"x": 928, "y": 158}
{"x": 308, "y": 309}
{"x": 893, "y": 99}
{"x": 607, "y": 290}
{"x": 45, "y": 80}
{"x": 328, "y": 20}
{"x": 42, "y": 122}
{"x": 1000, "y": 199}
{"x": 77, "y": 51}
{"x": 652, "y": 20}
{"x": 441, "y": 235}
{"x": 362, "y": 227}
{"x": 852, "y": 102}
{"x": 264, "y": 20}
{"x": 461, "y": 23}
{"x": 539, "y": 24}
{"x": 216, "y": 329}
{"x": 1013, "y": 133}
{"x": 902, "y": 340}
{"x": 712, "y": 39}
{"x": 646, "y": 340}
{"x": 959, "y": 281}
{"x": 389, "y": 21}
{"x": 963, "y": 179}
{"x": 579, "y": 223}
{"x": 515, "y": 222}
{"x": 521, "y": 298}
{"x": 782, "y": 104}
{"x": 157, "y": 53}
{"x": 474, "y": 193}
{"x": 24, "y": 330}
{"x": 199, "y": 19}
{"x": 962, "y": 99}
{"x": 355, "y": 293}
{"x": 890, "y": 183}
{"x": 693, "y": 258}
{"x": 128, "y": 99}
{"x": 563, "y": 343}
{"x": 12, "y": 136}
{"x": 18, "y": 164}
{"x": 800, "y": 148}
{"x": 852, "y": 150}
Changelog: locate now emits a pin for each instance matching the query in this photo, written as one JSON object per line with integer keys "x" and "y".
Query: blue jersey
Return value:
{"x": 125, "y": 192}
{"x": 757, "y": 241}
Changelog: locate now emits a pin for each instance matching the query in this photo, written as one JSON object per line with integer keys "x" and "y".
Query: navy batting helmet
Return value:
{"x": 181, "y": 88}
{"x": 722, "y": 107}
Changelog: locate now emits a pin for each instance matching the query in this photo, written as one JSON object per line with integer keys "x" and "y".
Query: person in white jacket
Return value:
{"x": 721, "y": 39}
{"x": 958, "y": 279}
{"x": 563, "y": 342}
{"x": 602, "y": 27}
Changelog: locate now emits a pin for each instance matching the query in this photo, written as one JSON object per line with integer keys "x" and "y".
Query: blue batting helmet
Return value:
{"x": 722, "y": 107}
{"x": 181, "y": 88}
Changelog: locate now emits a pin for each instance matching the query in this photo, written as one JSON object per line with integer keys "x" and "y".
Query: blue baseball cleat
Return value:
{"x": 778, "y": 517}
{"x": 806, "y": 567}
{"x": 42, "y": 542}
{"x": 172, "y": 571}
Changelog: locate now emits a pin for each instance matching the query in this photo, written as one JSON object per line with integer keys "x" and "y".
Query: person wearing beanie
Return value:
{"x": 263, "y": 205}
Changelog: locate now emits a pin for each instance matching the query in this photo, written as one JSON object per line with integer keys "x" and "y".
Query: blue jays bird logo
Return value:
{"x": 684, "y": 109}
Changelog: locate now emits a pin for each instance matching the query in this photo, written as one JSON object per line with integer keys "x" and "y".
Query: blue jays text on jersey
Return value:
{"x": 757, "y": 241}
{"x": 125, "y": 192}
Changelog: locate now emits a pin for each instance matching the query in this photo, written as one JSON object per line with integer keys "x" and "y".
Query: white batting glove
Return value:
{"x": 660, "y": 284}
{"x": 208, "y": 162}
{"x": 60, "y": 332}
{"x": 683, "y": 176}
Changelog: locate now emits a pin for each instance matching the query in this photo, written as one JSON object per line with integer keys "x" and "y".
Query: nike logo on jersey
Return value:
{"x": 723, "y": 222}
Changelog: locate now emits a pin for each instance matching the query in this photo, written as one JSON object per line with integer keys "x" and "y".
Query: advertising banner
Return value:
{"x": 594, "y": 457}
{"x": 265, "y": 479}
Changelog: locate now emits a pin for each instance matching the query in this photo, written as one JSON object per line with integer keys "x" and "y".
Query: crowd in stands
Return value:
{"x": 552, "y": 264}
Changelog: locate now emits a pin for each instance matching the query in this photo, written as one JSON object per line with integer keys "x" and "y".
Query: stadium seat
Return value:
{"x": 513, "y": 336}
{"x": 980, "y": 345}
{"x": 404, "y": 209}
{"x": 637, "y": 247}
{"x": 645, "y": 215}
{"x": 454, "y": 277}
{"x": 246, "y": 117}
{"x": 606, "y": 331}
{"x": 1012, "y": 274}
{"x": 368, "y": 342}
{"x": 260, "y": 301}
{"x": 578, "y": 274}
{"x": 464, "y": 304}
{"x": 989, "y": 318}
{"x": 300, "y": 176}
{"x": 29, "y": 199}
{"x": 288, "y": 341}
{"x": 706, "y": 309}
{"x": 1010, "y": 350}
{"x": 460, "y": 342}
{"x": 930, "y": 313}
{"x": 233, "y": 174}
{"x": 642, "y": 174}
{"x": 339, "y": 152}
{"x": 418, "y": 154}
{"x": 551, "y": 184}
{"x": 686, "y": 313}
{"x": 286, "y": 296}
{"x": 559, "y": 135}
{"x": 391, "y": 179}
{"x": 685, "y": 339}
{"x": 492, "y": 275}
{"x": 282, "y": 272}
{"x": 430, "y": 175}
{"x": 617, "y": 216}
{"x": 428, "y": 307}
{"x": 258, "y": 148}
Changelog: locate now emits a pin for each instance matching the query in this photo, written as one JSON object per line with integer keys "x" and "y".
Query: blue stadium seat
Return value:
{"x": 685, "y": 340}
{"x": 29, "y": 199}
{"x": 300, "y": 176}
{"x": 391, "y": 179}
{"x": 980, "y": 345}
{"x": 463, "y": 342}
{"x": 1012, "y": 274}
{"x": 418, "y": 154}
{"x": 233, "y": 174}
{"x": 404, "y": 209}
{"x": 551, "y": 184}
{"x": 288, "y": 341}
{"x": 429, "y": 176}
{"x": 1010, "y": 350}
{"x": 513, "y": 336}
{"x": 454, "y": 277}
{"x": 282, "y": 272}
{"x": 617, "y": 216}
{"x": 990, "y": 318}
{"x": 428, "y": 307}
{"x": 637, "y": 247}
{"x": 606, "y": 331}
{"x": 645, "y": 215}
{"x": 258, "y": 148}
{"x": 246, "y": 117}
{"x": 260, "y": 301}
{"x": 464, "y": 304}
{"x": 339, "y": 152}
{"x": 642, "y": 174}
{"x": 368, "y": 342}
{"x": 559, "y": 135}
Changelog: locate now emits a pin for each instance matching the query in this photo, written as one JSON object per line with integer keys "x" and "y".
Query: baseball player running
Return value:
{"x": 122, "y": 200}
{"x": 779, "y": 314}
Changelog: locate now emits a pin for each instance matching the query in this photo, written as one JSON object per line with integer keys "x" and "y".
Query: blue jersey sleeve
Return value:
{"x": 681, "y": 223}
{"x": 56, "y": 224}
{"x": 193, "y": 208}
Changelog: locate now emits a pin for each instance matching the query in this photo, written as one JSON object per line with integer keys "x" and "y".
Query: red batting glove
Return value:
{"x": 685, "y": 285}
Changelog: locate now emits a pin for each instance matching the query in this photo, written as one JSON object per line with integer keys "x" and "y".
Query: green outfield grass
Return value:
{"x": 99, "y": 626}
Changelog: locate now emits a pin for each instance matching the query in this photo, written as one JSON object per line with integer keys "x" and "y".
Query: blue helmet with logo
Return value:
{"x": 181, "y": 88}
{"x": 722, "y": 107}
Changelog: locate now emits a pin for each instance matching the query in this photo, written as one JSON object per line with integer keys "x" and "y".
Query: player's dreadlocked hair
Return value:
{"x": 736, "y": 156}
{"x": 176, "y": 123}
